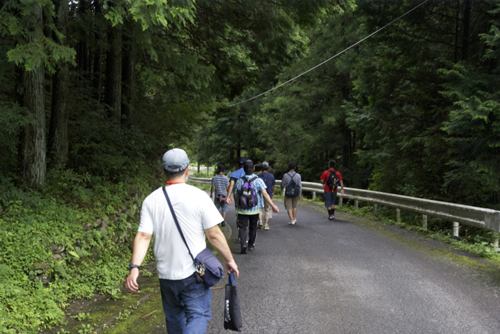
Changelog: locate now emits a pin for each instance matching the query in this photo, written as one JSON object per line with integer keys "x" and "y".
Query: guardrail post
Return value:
{"x": 356, "y": 204}
{"x": 341, "y": 200}
{"x": 424, "y": 222}
{"x": 495, "y": 240}
{"x": 374, "y": 209}
{"x": 398, "y": 215}
{"x": 456, "y": 226}
{"x": 314, "y": 195}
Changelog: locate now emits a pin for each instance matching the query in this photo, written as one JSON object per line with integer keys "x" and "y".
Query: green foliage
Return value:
{"x": 53, "y": 249}
{"x": 42, "y": 50}
{"x": 474, "y": 240}
{"x": 152, "y": 12}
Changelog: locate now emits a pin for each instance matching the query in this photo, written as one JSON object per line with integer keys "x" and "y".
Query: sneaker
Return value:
{"x": 293, "y": 222}
{"x": 332, "y": 217}
{"x": 290, "y": 223}
{"x": 266, "y": 227}
{"x": 251, "y": 247}
{"x": 244, "y": 249}
{"x": 259, "y": 226}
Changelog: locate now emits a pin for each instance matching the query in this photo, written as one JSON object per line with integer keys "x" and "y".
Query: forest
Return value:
{"x": 102, "y": 87}
{"x": 93, "y": 92}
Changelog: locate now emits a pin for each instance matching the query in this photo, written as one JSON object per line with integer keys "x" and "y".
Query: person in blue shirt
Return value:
{"x": 249, "y": 216}
{"x": 270, "y": 182}
{"x": 235, "y": 176}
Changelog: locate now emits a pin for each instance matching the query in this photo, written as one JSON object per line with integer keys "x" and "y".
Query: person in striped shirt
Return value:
{"x": 220, "y": 183}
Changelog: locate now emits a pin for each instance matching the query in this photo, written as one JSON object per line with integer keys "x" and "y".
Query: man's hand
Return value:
{"x": 342, "y": 191}
{"x": 232, "y": 266}
{"x": 228, "y": 200}
{"x": 141, "y": 244}
{"x": 275, "y": 208}
{"x": 131, "y": 281}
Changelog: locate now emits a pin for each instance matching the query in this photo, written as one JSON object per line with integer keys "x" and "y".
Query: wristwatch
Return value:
{"x": 132, "y": 266}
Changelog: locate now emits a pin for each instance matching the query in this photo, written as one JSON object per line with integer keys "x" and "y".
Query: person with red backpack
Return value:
{"x": 331, "y": 179}
{"x": 249, "y": 195}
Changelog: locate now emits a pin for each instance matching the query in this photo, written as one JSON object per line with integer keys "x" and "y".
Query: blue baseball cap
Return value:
{"x": 175, "y": 160}
{"x": 265, "y": 164}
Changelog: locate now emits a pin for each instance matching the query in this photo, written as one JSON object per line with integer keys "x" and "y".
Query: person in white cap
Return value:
{"x": 186, "y": 303}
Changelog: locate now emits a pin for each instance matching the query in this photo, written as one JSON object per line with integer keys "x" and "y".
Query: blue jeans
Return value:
{"x": 330, "y": 199}
{"x": 186, "y": 305}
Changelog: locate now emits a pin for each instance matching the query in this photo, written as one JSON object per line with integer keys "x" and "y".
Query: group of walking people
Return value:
{"x": 186, "y": 303}
{"x": 251, "y": 217}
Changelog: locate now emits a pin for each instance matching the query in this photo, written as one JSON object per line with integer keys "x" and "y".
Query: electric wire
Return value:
{"x": 338, "y": 54}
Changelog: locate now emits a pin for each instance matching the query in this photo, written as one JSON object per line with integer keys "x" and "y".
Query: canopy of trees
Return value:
{"x": 105, "y": 86}
{"x": 412, "y": 110}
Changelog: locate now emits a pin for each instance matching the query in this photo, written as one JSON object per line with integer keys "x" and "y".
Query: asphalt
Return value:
{"x": 349, "y": 276}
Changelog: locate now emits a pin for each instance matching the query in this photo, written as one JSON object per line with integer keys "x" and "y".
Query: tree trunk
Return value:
{"x": 81, "y": 47}
{"x": 114, "y": 75}
{"x": 98, "y": 55}
{"x": 465, "y": 39}
{"x": 128, "y": 75}
{"x": 456, "y": 53}
{"x": 33, "y": 141}
{"x": 59, "y": 117}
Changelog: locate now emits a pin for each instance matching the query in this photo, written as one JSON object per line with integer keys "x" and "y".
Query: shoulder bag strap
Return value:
{"x": 177, "y": 223}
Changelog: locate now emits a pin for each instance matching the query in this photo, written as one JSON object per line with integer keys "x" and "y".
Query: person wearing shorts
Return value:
{"x": 220, "y": 183}
{"x": 291, "y": 202}
{"x": 270, "y": 182}
{"x": 331, "y": 194}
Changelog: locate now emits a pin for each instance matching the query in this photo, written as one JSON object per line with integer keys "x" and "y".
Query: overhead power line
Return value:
{"x": 338, "y": 54}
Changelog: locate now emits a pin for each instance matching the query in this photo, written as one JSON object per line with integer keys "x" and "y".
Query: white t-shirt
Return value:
{"x": 195, "y": 213}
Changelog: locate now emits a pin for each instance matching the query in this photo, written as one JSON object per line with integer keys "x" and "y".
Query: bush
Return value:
{"x": 71, "y": 240}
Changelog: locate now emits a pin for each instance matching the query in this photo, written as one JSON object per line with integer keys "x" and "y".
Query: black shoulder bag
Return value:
{"x": 209, "y": 270}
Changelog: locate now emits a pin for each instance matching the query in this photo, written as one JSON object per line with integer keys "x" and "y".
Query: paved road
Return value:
{"x": 343, "y": 277}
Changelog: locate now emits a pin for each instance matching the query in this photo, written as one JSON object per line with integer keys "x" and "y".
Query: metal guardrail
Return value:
{"x": 456, "y": 213}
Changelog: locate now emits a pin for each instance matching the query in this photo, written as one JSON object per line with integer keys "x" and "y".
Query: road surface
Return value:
{"x": 345, "y": 276}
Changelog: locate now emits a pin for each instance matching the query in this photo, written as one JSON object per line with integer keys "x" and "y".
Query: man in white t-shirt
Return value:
{"x": 186, "y": 303}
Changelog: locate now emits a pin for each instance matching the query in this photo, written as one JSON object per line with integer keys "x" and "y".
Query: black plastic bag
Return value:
{"x": 232, "y": 311}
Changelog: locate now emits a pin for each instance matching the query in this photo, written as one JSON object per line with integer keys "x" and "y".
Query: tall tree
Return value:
{"x": 113, "y": 91}
{"x": 59, "y": 117}
{"x": 33, "y": 140}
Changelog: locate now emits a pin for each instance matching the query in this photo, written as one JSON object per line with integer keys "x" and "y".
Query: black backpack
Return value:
{"x": 292, "y": 188}
{"x": 333, "y": 180}
{"x": 248, "y": 196}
